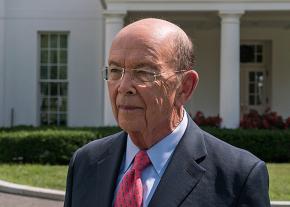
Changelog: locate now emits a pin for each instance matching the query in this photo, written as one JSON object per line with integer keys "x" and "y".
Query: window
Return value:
{"x": 53, "y": 78}
{"x": 251, "y": 53}
{"x": 256, "y": 88}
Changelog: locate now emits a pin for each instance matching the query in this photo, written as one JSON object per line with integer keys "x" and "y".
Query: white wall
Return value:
{"x": 206, "y": 97}
{"x": 86, "y": 83}
{"x": 83, "y": 20}
{"x": 2, "y": 41}
{"x": 281, "y": 73}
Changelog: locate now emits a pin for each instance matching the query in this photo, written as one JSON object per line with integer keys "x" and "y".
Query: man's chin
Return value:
{"x": 130, "y": 125}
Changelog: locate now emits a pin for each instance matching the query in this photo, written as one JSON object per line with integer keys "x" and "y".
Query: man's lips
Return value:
{"x": 129, "y": 107}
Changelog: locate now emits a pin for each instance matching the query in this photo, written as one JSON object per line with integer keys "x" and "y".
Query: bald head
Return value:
{"x": 162, "y": 37}
{"x": 154, "y": 28}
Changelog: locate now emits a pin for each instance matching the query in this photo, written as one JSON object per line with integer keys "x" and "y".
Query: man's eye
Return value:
{"x": 115, "y": 70}
{"x": 142, "y": 72}
{"x": 144, "y": 75}
{"x": 115, "y": 73}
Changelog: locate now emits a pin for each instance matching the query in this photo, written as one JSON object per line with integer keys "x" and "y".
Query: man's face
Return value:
{"x": 139, "y": 107}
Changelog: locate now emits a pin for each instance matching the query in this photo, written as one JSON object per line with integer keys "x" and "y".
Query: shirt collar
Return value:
{"x": 159, "y": 153}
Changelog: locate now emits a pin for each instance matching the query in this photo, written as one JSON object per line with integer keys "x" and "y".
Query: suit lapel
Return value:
{"x": 183, "y": 172}
{"x": 108, "y": 170}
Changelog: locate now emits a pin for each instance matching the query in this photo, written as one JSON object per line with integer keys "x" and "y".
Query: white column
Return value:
{"x": 2, "y": 65}
{"x": 230, "y": 68}
{"x": 114, "y": 22}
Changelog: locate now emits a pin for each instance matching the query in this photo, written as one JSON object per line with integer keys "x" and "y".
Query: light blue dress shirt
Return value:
{"x": 159, "y": 154}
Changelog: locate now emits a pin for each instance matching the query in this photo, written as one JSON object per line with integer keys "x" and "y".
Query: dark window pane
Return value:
{"x": 62, "y": 72}
{"x": 44, "y": 41}
{"x": 247, "y": 53}
{"x": 44, "y": 104}
{"x": 252, "y": 88}
{"x": 63, "y": 41}
{"x": 44, "y": 118}
{"x": 53, "y": 57}
{"x": 252, "y": 76}
{"x": 52, "y": 119}
{"x": 53, "y": 89}
{"x": 63, "y": 57}
{"x": 53, "y": 41}
{"x": 259, "y": 48}
{"x": 62, "y": 104}
{"x": 44, "y": 89}
{"x": 53, "y": 104}
{"x": 53, "y": 72}
{"x": 62, "y": 119}
{"x": 43, "y": 72}
{"x": 259, "y": 58}
{"x": 251, "y": 100}
{"x": 63, "y": 89}
{"x": 44, "y": 56}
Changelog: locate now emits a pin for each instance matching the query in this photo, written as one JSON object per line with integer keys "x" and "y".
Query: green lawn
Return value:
{"x": 279, "y": 181}
{"x": 55, "y": 177}
{"x": 46, "y": 176}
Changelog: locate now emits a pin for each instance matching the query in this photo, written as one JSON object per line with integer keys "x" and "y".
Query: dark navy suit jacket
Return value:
{"x": 203, "y": 172}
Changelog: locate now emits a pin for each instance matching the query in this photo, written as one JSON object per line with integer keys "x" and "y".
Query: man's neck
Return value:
{"x": 146, "y": 138}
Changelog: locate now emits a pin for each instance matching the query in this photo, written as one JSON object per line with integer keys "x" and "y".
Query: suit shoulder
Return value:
{"x": 230, "y": 165}
{"x": 95, "y": 149}
{"x": 101, "y": 142}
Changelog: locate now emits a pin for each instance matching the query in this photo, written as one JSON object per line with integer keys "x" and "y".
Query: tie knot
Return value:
{"x": 141, "y": 161}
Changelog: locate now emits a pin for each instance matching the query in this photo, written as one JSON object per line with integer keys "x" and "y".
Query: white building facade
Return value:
{"x": 49, "y": 62}
{"x": 52, "y": 52}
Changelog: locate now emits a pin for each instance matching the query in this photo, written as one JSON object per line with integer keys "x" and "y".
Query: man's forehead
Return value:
{"x": 132, "y": 47}
{"x": 134, "y": 40}
{"x": 133, "y": 57}
{"x": 141, "y": 40}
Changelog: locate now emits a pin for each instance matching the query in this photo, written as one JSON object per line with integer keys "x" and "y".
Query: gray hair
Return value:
{"x": 183, "y": 52}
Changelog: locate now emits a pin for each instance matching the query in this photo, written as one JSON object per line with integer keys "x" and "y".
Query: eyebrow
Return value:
{"x": 139, "y": 65}
{"x": 114, "y": 63}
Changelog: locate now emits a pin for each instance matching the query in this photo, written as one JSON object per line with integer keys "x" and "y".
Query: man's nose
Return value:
{"x": 126, "y": 84}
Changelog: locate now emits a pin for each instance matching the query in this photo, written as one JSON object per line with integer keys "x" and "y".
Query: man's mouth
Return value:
{"x": 129, "y": 107}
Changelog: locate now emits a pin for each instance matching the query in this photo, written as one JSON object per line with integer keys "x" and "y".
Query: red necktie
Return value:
{"x": 130, "y": 192}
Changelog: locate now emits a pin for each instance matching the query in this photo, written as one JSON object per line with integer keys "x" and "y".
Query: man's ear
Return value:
{"x": 187, "y": 86}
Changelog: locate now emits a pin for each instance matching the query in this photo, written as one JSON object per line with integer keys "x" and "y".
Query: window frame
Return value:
{"x": 262, "y": 53}
{"x": 49, "y": 80}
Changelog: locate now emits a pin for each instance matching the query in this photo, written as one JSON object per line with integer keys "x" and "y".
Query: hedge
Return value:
{"x": 56, "y": 145}
{"x": 268, "y": 145}
{"x": 46, "y": 145}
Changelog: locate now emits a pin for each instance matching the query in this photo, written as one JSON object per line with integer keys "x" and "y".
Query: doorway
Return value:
{"x": 254, "y": 76}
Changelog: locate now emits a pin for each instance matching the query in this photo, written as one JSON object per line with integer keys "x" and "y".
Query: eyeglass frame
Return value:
{"x": 155, "y": 75}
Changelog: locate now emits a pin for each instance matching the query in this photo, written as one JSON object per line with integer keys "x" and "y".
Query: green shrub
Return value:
{"x": 56, "y": 145}
{"x": 46, "y": 145}
{"x": 268, "y": 145}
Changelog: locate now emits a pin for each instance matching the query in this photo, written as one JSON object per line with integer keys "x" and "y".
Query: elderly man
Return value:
{"x": 162, "y": 158}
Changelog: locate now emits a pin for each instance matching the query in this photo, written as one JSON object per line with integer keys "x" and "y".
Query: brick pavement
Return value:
{"x": 11, "y": 200}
